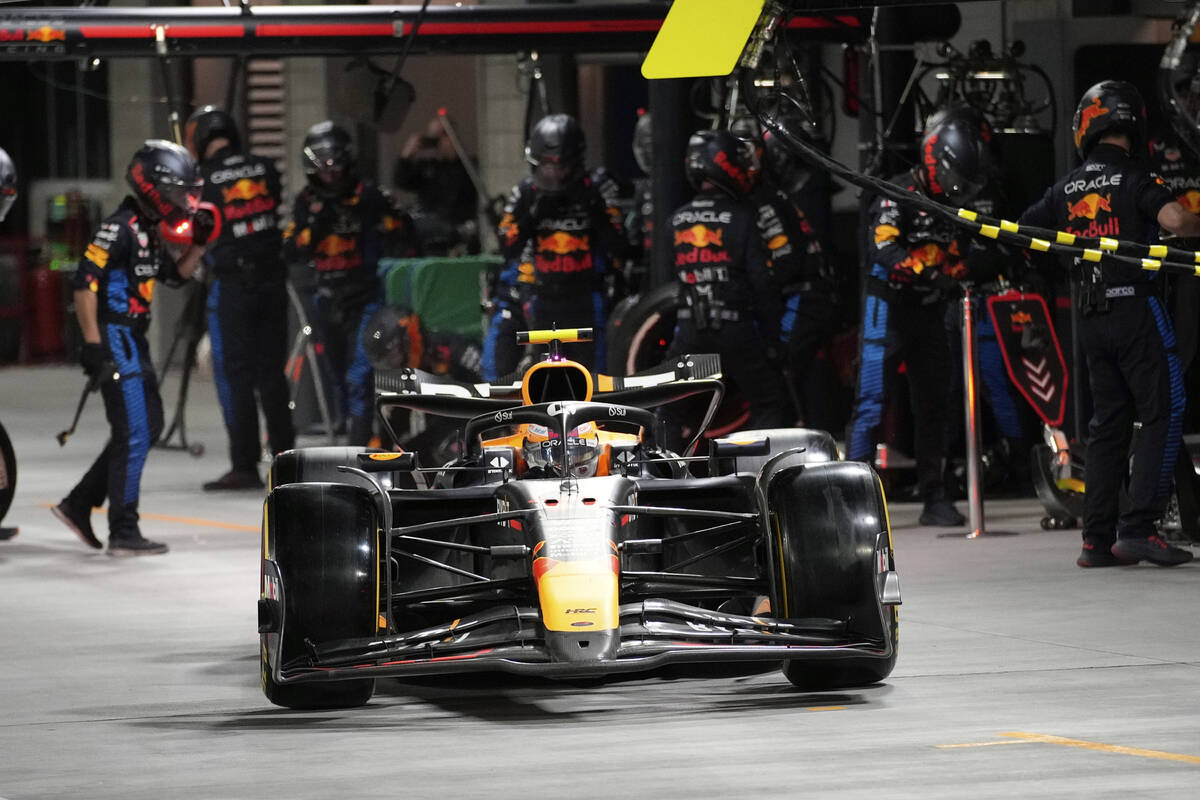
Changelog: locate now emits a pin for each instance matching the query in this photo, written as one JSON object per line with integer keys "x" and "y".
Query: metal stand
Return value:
{"x": 303, "y": 348}
{"x": 975, "y": 521}
{"x": 189, "y": 328}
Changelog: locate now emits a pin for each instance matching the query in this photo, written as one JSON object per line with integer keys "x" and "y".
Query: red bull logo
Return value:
{"x": 1088, "y": 206}
{"x": 739, "y": 176}
{"x": 1019, "y": 319}
{"x": 335, "y": 245}
{"x": 699, "y": 236}
{"x": 1190, "y": 200}
{"x": 46, "y": 34}
{"x": 562, "y": 243}
{"x": 1086, "y": 115}
{"x": 243, "y": 191}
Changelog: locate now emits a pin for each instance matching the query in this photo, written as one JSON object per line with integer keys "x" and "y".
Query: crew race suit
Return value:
{"x": 729, "y": 299}
{"x": 121, "y": 266}
{"x": 341, "y": 239}
{"x": 1127, "y": 338}
{"x": 247, "y": 304}
{"x": 911, "y": 256}
{"x": 809, "y": 297}
{"x": 558, "y": 251}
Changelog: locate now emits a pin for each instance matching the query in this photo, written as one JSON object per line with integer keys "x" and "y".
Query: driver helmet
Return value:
{"x": 166, "y": 182}
{"x": 8, "y": 184}
{"x": 541, "y": 449}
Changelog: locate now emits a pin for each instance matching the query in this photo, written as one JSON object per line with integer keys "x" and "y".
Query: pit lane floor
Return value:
{"x": 1020, "y": 675}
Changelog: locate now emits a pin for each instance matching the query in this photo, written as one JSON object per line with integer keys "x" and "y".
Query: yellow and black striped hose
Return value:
{"x": 1154, "y": 258}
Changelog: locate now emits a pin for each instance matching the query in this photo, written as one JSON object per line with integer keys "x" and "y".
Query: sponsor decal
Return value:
{"x": 46, "y": 34}
{"x": 1086, "y": 116}
{"x": 739, "y": 175}
{"x": 1190, "y": 200}
{"x": 931, "y": 166}
{"x": 334, "y": 245}
{"x": 1099, "y": 182}
{"x": 244, "y": 190}
{"x": 1088, "y": 206}
{"x": 562, "y": 243}
{"x": 700, "y": 236}
{"x": 97, "y": 255}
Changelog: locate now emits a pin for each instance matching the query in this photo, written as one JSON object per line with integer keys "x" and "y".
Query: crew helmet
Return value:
{"x": 328, "y": 158}
{"x": 1109, "y": 107}
{"x": 8, "y": 184}
{"x": 392, "y": 338}
{"x": 206, "y": 124}
{"x": 643, "y": 142}
{"x": 955, "y": 159}
{"x": 166, "y": 182}
{"x": 719, "y": 158}
{"x": 555, "y": 153}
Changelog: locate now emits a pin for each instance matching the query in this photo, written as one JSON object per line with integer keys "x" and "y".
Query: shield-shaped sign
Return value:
{"x": 1031, "y": 351}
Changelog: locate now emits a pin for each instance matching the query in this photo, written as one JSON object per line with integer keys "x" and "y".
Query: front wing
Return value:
{"x": 652, "y": 634}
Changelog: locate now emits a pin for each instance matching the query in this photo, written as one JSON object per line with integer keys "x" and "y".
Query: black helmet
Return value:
{"x": 392, "y": 338}
{"x": 206, "y": 124}
{"x": 643, "y": 142}
{"x": 956, "y": 161}
{"x": 1109, "y": 107}
{"x": 8, "y": 184}
{"x": 750, "y": 133}
{"x": 555, "y": 152}
{"x": 328, "y": 157}
{"x": 721, "y": 159}
{"x": 790, "y": 172}
{"x": 165, "y": 181}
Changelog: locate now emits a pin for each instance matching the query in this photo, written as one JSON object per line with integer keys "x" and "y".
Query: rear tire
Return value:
{"x": 323, "y": 539}
{"x": 831, "y": 533}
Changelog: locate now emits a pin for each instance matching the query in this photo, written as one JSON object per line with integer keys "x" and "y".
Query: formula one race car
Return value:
{"x": 567, "y": 542}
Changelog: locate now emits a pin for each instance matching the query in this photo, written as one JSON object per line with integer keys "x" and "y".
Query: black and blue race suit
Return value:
{"x": 120, "y": 267}
{"x": 1128, "y": 341}
{"x": 341, "y": 240}
{"x": 558, "y": 250}
{"x": 911, "y": 255}
{"x": 247, "y": 304}
{"x": 803, "y": 272}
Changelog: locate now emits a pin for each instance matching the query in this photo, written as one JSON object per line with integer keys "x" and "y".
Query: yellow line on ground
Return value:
{"x": 1103, "y": 748}
{"x": 976, "y": 744}
{"x": 206, "y": 523}
{"x": 826, "y": 708}
{"x": 203, "y": 523}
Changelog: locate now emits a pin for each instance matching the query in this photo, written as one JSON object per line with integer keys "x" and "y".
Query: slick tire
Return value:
{"x": 322, "y": 539}
{"x": 639, "y": 333}
{"x": 825, "y": 553}
{"x": 312, "y": 464}
{"x": 8, "y": 473}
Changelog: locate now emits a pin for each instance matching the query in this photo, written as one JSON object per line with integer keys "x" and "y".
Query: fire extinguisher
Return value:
{"x": 44, "y": 313}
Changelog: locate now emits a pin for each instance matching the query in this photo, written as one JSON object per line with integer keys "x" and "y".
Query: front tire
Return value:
{"x": 829, "y": 551}
{"x": 322, "y": 542}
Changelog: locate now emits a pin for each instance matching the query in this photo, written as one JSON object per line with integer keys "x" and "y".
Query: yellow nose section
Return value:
{"x": 578, "y": 596}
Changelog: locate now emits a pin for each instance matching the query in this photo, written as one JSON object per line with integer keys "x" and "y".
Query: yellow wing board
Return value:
{"x": 701, "y": 37}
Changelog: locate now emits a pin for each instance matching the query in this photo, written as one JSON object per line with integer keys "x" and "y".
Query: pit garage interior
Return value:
{"x": 1019, "y": 674}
